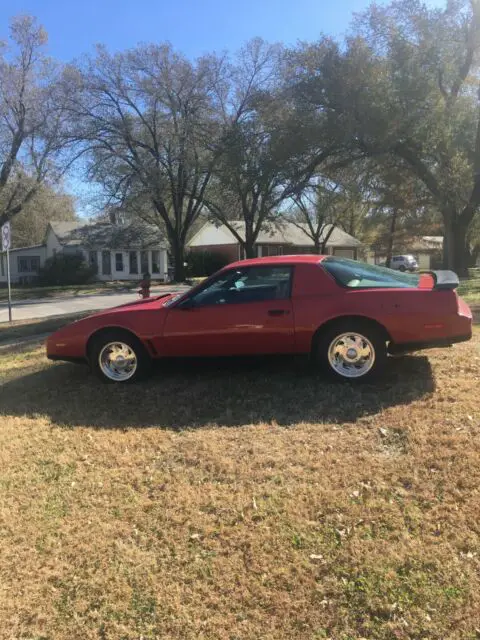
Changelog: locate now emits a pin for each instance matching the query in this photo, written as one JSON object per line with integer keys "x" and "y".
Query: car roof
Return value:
{"x": 275, "y": 260}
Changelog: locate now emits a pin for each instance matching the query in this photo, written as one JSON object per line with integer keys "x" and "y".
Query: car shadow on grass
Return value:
{"x": 195, "y": 393}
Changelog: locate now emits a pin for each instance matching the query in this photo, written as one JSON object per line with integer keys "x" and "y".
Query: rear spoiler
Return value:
{"x": 444, "y": 280}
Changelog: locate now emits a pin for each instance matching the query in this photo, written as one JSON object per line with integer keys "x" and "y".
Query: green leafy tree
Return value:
{"x": 48, "y": 204}
{"x": 404, "y": 86}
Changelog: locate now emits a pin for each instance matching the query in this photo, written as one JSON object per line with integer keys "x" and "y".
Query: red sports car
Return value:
{"x": 347, "y": 315}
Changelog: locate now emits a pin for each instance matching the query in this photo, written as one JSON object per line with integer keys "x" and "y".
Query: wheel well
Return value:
{"x": 105, "y": 330}
{"x": 340, "y": 319}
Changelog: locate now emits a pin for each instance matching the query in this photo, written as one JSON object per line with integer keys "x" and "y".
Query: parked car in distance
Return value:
{"x": 404, "y": 263}
{"x": 348, "y": 316}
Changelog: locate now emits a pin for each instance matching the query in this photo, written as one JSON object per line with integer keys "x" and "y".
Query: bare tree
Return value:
{"x": 33, "y": 135}
{"x": 335, "y": 199}
{"x": 266, "y": 156}
{"x": 149, "y": 120}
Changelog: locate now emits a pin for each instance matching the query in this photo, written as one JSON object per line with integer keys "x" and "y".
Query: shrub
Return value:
{"x": 204, "y": 263}
{"x": 64, "y": 269}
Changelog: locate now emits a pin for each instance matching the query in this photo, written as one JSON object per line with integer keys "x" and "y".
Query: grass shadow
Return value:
{"x": 196, "y": 393}
{"x": 28, "y": 328}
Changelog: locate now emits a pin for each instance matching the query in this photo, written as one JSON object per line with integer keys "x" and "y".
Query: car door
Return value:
{"x": 242, "y": 311}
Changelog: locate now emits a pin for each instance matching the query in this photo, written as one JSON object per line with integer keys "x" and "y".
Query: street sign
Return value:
{"x": 6, "y": 243}
{"x": 6, "y": 237}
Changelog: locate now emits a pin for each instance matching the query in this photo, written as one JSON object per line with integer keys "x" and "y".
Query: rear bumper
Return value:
{"x": 408, "y": 347}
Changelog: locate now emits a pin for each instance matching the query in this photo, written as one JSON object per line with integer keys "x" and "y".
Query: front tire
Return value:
{"x": 118, "y": 356}
{"x": 352, "y": 351}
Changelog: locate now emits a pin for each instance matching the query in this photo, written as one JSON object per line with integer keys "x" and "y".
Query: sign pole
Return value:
{"x": 9, "y": 287}
{"x": 6, "y": 242}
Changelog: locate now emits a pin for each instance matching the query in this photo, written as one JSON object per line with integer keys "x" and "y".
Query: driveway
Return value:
{"x": 43, "y": 308}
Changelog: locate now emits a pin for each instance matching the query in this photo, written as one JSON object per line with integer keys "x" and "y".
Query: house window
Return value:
{"x": 345, "y": 253}
{"x": 28, "y": 264}
{"x": 144, "y": 261}
{"x": 155, "y": 261}
{"x": 119, "y": 262}
{"x": 106, "y": 263}
{"x": 133, "y": 259}
{"x": 271, "y": 250}
{"x": 93, "y": 259}
{"x": 296, "y": 250}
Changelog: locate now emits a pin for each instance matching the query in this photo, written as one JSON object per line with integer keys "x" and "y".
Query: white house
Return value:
{"x": 24, "y": 263}
{"x": 119, "y": 252}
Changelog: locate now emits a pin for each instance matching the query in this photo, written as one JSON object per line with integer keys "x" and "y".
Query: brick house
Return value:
{"x": 282, "y": 239}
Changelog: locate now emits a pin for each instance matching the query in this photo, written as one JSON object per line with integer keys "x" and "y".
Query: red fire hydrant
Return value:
{"x": 144, "y": 290}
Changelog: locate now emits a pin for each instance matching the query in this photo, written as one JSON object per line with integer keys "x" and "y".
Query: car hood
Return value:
{"x": 117, "y": 315}
{"x": 148, "y": 303}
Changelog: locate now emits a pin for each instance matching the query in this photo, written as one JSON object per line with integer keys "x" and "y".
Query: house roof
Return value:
{"x": 134, "y": 235}
{"x": 29, "y": 248}
{"x": 278, "y": 233}
{"x": 62, "y": 229}
{"x": 427, "y": 243}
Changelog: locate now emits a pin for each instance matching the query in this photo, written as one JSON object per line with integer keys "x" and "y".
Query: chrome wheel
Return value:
{"x": 351, "y": 355}
{"x": 118, "y": 361}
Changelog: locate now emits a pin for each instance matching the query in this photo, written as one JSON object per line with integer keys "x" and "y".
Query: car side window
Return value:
{"x": 249, "y": 284}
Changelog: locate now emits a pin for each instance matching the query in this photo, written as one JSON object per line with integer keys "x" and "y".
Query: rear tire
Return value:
{"x": 118, "y": 356}
{"x": 351, "y": 351}
{"x": 401, "y": 268}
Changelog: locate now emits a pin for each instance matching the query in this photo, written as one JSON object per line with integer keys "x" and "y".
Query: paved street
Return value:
{"x": 45, "y": 307}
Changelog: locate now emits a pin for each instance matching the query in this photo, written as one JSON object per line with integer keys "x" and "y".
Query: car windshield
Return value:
{"x": 170, "y": 301}
{"x": 359, "y": 275}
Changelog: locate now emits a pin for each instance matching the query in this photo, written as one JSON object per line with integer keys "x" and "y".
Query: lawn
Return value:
{"x": 235, "y": 500}
{"x": 19, "y": 329}
{"x": 27, "y": 293}
{"x": 470, "y": 290}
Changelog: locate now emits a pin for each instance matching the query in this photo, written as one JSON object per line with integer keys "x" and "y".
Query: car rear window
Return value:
{"x": 359, "y": 275}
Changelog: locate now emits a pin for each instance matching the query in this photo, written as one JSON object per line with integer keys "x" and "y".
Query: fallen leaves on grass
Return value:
{"x": 227, "y": 501}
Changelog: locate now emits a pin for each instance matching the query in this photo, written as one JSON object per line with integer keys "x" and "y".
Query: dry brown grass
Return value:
{"x": 241, "y": 501}
{"x": 19, "y": 329}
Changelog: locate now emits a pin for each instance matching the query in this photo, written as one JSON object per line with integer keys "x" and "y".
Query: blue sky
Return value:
{"x": 193, "y": 26}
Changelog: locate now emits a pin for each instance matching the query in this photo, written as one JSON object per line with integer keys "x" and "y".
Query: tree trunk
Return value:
{"x": 326, "y": 238}
{"x": 249, "y": 244}
{"x": 391, "y": 237}
{"x": 455, "y": 250}
{"x": 460, "y": 263}
{"x": 178, "y": 254}
{"x": 250, "y": 250}
{"x": 474, "y": 255}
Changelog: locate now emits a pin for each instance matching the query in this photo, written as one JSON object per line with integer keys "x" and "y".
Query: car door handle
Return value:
{"x": 278, "y": 312}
